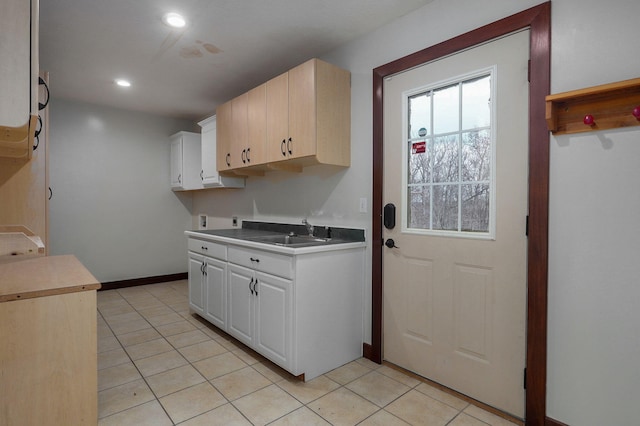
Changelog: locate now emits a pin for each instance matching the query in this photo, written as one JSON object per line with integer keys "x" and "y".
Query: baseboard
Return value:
{"x": 550, "y": 422}
{"x": 367, "y": 351}
{"x": 112, "y": 285}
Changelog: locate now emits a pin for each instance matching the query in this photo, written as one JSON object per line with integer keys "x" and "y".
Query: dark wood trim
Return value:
{"x": 552, "y": 422}
{"x": 112, "y": 285}
{"x": 367, "y": 350}
{"x": 538, "y": 20}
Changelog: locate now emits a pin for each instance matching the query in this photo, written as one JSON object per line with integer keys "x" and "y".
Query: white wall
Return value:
{"x": 594, "y": 236}
{"x": 112, "y": 206}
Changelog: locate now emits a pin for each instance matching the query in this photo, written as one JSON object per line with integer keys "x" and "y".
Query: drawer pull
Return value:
{"x": 255, "y": 259}
{"x": 204, "y": 248}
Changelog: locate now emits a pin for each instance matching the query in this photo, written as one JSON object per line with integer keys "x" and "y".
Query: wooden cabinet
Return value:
{"x": 185, "y": 161}
{"x": 48, "y": 361}
{"x": 209, "y": 174}
{"x": 317, "y": 113}
{"x": 19, "y": 70}
{"x": 307, "y": 120}
{"x": 24, "y": 187}
{"x": 257, "y": 126}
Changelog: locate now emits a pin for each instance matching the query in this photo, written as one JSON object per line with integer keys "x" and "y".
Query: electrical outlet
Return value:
{"x": 234, "y": 221}
{"x": 363, "y": 205}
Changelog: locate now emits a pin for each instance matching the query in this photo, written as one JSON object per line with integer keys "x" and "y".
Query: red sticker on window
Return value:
{"x": 418, "y": 147}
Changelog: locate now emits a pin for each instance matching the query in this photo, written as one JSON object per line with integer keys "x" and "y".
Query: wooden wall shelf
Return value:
{"x": 608, "y": 106}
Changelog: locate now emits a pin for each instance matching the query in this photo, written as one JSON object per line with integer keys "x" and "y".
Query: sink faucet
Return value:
{"x": 309, "y": 227}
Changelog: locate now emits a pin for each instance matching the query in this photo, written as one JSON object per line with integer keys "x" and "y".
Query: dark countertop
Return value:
{"x": 251, "y": 231}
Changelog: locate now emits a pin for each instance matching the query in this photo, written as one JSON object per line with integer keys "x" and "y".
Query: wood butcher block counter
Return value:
{"x": 48, "y": 342}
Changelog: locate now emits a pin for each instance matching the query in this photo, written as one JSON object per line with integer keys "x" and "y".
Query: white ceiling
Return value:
{"x": 228, "y": 47}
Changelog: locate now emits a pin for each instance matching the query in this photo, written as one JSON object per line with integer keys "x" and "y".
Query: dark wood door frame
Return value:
{"x": 538, "y": 20}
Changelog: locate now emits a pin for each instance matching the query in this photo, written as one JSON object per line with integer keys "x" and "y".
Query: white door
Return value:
{"x": 196, "y": 289}
{"x": 214, "y": 281}
{"x": 176, "y": 163}
{"x": 273, "y": 317}
{"x": 240, "y": 287}
{"x": 455, "y": 167}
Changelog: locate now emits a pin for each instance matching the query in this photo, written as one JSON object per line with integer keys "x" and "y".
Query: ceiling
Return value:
{"x": 227, "y": 48}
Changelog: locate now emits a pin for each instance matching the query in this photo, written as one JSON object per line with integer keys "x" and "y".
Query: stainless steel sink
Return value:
{"x": 291, "y": 240}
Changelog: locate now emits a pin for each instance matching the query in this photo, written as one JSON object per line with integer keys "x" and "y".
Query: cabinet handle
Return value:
{"x": 41, "y": 82}
{"x": 289, "y": 143}
{"x": 255, "y": 286}
{"x": 248, "y": 157}
{"x": 244, "y": 156}
{"x": 228, "y": 161}
{"x": 201, "y": 174}
{"x": 255, "y": 260}
{"x": 180, "y": 178}
{"x": 283, "y": 147}
{"x": 202, "y": 268}
{"x": 36, "y": 136}
{"x": 50, "y": 193}
{"x": 250, "y": 289}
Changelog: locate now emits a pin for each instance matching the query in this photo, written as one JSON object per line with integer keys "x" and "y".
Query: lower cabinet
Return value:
{"x": 304, "y": 312}
{"x": 207, "y": 288}
{"x": 260, "y": 307}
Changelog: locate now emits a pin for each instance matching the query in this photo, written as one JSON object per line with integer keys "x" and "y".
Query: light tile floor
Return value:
{"x": 158, "y": 364}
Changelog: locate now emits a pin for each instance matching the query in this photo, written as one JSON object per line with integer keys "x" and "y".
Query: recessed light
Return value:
{"x": 123, "y": 83}
{"x": 174, "y": 20}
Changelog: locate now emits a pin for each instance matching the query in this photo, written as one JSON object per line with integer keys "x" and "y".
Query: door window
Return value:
{"x": 449, "y": 154}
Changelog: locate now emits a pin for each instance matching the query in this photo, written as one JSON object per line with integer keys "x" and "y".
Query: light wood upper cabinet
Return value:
{"x": 318, "y": 110}
{"x": 303, "y": 116}
{"x": 257, "y": 126}
{"x": 277, "y": 117}
{"x": 18, "y": 78}
{"x": 24, "y": 187}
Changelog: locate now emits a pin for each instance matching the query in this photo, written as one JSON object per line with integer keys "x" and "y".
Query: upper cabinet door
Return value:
{"x": 302, "y": 110}
{"x": 239, "y": 131}
{"x": 257, "y": 116}
{"x": 19, "y": 70}
{"x": 277, "y": 117}
{"x": 224, "y": 136}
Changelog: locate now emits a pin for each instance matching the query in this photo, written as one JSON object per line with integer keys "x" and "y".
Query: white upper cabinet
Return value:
{"x": 18, "y": 77}
{"x": 210, "y": 176}
{"x": 185, "y": 161}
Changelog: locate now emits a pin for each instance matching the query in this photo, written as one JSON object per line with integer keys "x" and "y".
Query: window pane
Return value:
{"x": 419, "y": 171}
{"x": 419, "y": 115}
{"x": 445, "y": 207}
{"x": 476, "y": 156}
{"x": 476, "y": 103}
{"x": 419, "y": 213}
{"x": 475, "y": 208}
{"x": 445, "y": 159}
{"x": 446, "y": 111}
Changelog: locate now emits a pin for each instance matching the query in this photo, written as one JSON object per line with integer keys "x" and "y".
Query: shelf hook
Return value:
{"x": 589, "y": 120}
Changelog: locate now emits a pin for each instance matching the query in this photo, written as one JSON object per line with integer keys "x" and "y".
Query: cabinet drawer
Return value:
{"x": 208, "y": 248}
{"x": 264, "y": 261}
